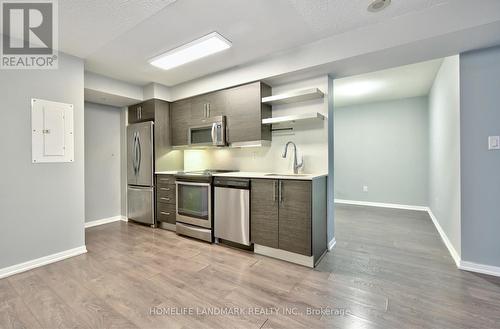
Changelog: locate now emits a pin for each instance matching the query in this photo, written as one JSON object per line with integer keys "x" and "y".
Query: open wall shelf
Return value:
{"x": 294, "y": 96}
{"x": 294, "y": 118}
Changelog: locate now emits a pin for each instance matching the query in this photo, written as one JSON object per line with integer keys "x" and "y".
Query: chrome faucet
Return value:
{"x": 296, "y": 165}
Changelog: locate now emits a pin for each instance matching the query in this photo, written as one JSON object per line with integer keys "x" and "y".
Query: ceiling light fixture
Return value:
{"x": 378, "y": 5}
{"x": 207, "y": 45}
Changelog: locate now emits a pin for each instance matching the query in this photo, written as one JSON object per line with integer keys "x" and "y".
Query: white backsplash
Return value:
{"x": 311, "y": 139}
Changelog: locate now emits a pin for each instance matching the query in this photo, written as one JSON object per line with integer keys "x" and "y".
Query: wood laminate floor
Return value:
{"x": 389, "y": 269}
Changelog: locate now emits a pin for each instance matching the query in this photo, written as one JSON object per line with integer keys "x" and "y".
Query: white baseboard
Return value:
{"x": 26, "y": 266}
{"x": 453, "y": 252}
{"x": 284, "y": 255}
{"x": 381, "y": 205}
{"x": 332, "y": 244}
{"x": 105, "y": 221}
{"x": 479, "y": 268}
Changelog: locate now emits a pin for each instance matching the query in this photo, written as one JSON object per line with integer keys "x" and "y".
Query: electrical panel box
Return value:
{"x": 52, "y": 132}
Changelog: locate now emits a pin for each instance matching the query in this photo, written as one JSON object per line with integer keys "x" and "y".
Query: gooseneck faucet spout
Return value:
{"x": 296, "y": 165}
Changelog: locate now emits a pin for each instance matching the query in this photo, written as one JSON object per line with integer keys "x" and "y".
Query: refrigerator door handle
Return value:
{"x": 134, "y": 158}
{"x": 139, "y": 153}
{"x": 133, "y": 155}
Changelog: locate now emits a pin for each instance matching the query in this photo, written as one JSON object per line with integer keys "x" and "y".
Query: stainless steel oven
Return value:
{"x": 194, "y": 203}
{"x": 212, "y": 133}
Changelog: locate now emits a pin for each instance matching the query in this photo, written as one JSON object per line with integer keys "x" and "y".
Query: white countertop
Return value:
{"x": 171, "y": 172}
{"x": 247, "y": 174}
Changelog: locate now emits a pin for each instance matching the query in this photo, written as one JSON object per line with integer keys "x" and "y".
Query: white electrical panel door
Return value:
{"x": 52, "y": 131}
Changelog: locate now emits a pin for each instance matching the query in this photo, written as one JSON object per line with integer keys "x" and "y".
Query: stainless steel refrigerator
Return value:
{"x": 140, "y": 173}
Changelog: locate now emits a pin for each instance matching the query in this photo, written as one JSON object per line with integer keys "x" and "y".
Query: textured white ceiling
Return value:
{"x": 400, "y": 82}
{"x": 337, "y": 16}
{"x": 118, "y": 37}
{"x": 87, "y": 25}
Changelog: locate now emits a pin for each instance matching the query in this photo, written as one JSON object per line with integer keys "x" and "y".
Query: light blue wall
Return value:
{"x": 383, "y": 145}
{"x": 42, "y": 208}
{"x": 480, "y": 168}
{"x": 444, "y": 150}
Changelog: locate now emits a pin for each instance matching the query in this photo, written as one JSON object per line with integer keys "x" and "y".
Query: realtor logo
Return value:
{"x": 29, "y": 39}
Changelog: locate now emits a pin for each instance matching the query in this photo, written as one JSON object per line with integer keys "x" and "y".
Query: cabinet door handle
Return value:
{"x": 275, "y": 191}
{"x": 164, "y": 189}
{"x": 208, "y": 110}
{"x": 166, "y": 199}
{"x": 165, "y": 213}
{"x": 281, "y": 191}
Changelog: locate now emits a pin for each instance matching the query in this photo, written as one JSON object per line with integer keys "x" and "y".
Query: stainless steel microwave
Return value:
{"x": 213, "y": 133}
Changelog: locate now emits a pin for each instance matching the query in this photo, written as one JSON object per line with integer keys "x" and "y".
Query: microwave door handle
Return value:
{"x": 214, "y": 134}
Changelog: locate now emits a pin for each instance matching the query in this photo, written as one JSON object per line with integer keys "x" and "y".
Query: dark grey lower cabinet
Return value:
{"x": 295, "y": 217}
{"x": 166, "y": 200}
{"x": 264, "y": 212}
{"x": 289, "y": 215}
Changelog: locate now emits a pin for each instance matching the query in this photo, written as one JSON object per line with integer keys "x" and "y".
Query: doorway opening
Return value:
{"x": 396, "y": 165}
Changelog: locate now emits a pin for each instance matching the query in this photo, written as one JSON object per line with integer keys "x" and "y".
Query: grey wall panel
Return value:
{"x": 384, "y": 146}
{"x": 42, "y": 208}
{"x": 102, "y": 161}
{"x": 330, "y": 186}
{"x": 444, "y": 149}
{"x": 480, "y": 178}
{"x": 123, "y": 162}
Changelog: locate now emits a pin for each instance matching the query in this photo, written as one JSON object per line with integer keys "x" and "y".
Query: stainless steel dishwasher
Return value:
{"x": 232, "y": 209}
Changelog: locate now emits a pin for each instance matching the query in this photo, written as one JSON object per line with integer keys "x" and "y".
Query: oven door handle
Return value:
{"x": 192, "y": 184}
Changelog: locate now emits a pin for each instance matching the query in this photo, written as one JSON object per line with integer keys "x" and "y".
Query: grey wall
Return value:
{"x": 480, "y": 186}
{"x": 123, "y": 166}
{"x": 42, "y": 206}
{"x": 444, "y": 149}
{"x": 382, "y": 145}
{"x": 330, "y": 223}
{"x": 102, "y": 161}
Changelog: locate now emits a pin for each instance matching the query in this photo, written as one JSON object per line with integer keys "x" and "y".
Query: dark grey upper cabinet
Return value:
{"x": 217, "y": 104}
{"x": 245, "y": 112}
{"x": 264, "y": 212}
{"x": 142, "y": 112}
{"x": 180, "y": 118}
{"x": 295, "y": 217}
{"x": 207, "y": 106}
{"x": 198, "y": 111}
{"x": 163, "y": 137}
{"x": 241, "y": 105}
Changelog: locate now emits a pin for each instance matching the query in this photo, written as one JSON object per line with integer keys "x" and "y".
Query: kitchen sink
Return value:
{"x": 289, "y": 175}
